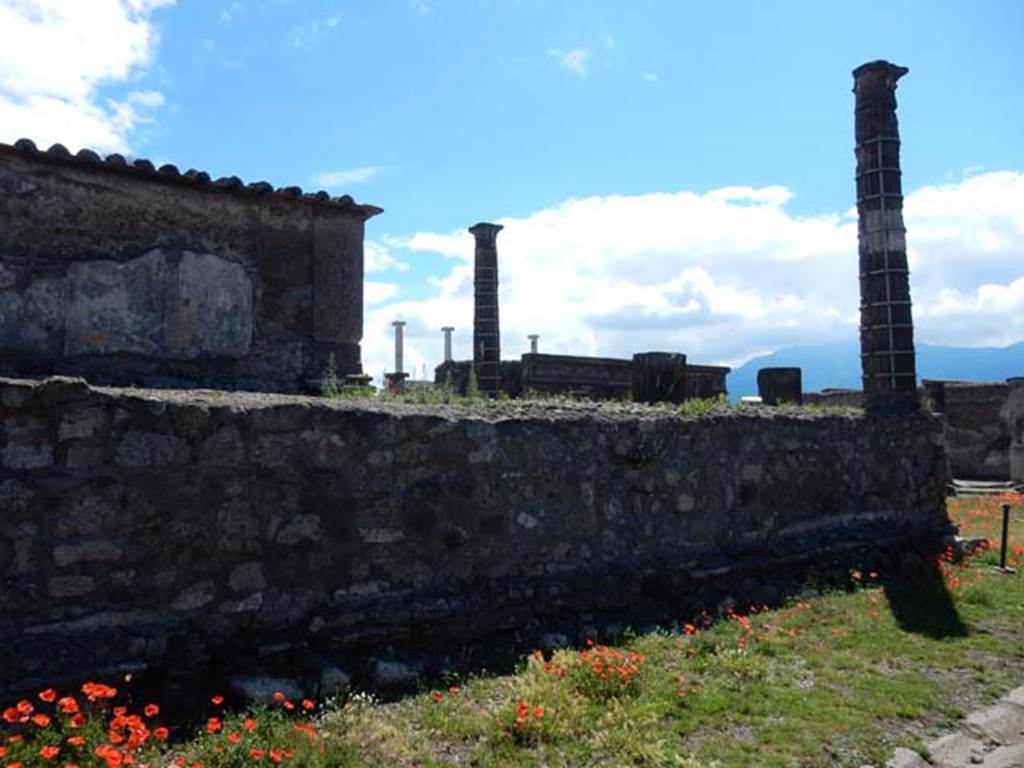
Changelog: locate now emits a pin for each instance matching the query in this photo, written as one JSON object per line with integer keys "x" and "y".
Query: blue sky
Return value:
{"x": 447, "y": 112}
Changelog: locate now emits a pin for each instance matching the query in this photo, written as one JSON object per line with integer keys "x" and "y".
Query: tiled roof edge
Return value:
{"x": 144, "y": 169}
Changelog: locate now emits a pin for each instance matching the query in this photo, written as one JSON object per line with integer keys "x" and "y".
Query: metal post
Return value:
{"x": 533, "y": 342}
{"x": 1006, "y": 534}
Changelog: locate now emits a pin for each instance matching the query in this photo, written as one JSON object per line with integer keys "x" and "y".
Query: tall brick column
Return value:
{"x": 486, "y": 332}
{"x": 886, "y": 325}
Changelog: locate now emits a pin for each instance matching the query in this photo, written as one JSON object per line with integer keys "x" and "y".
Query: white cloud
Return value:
{"x": 720, "y": 276}
{"x": 55, "y": 55}
{"x": 650, "y": 77}
{"x": 375, "y": 293}
{"x": 575, "y": 60}
{"x": 231, "y": 12}
{"x": 337, "y": 179}
{"x": 312, "y": 32}
{"x": 378, "y": 258}
{"x": 146, "y": 99}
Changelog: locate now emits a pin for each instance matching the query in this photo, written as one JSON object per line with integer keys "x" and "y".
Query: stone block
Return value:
{"x": 954, "y": 749}
{"x": 261, "y": 688}
{"x": 27, "y": 443}
{"x": 70, "y": 586}
{"x": 1002, "y": 722}
{"x": 224, "y": 448}
{"x": 247, "y": 577}
{"x": 195, "y": 596}
{"x": 80, "y": 455}
{"x": 146, "y": 449}
{"x": 778, "y": 386}
{"x": 905, "y": 758}
{"x": 87, "y": 552}
{"x": 299, "y": 529}
{"x": 14, "y": 496}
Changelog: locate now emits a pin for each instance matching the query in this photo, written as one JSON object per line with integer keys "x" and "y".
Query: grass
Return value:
{"x": 831, "y": 679}
{"x": 474, "y": 402}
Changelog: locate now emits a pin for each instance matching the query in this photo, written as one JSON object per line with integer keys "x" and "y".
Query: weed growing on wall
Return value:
{"x": 702, "y": 406}
{"x": 329, "y": 386}
{"x": 473, "y": 386}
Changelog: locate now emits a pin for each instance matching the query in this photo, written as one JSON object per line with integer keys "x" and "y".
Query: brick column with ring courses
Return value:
{"x": 486, "y": 329}
{"x": 886, "y": 324}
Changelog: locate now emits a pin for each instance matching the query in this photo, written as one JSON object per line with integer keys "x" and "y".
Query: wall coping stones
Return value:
{"x": 71, "y": 388}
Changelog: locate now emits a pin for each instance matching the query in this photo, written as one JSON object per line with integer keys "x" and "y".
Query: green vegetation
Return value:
{"x": 838, "y": 678}
{"x": 703, "y": 406}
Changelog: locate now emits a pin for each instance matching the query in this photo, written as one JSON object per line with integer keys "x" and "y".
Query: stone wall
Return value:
{"x": 977, "y": 430}
{"x": 978, "y": 424}
{"x": 134, "y": 276}
{"x": 597, "y": 377}
{"x": 1015, "y": 420}
{"x": 143, "y": 526}
{"x": 839, "y": 398}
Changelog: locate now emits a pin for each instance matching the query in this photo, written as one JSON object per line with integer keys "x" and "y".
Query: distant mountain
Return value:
{"x": 838, "y": 365}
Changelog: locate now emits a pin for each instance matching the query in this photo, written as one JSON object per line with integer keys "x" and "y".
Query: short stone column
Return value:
{"x": 447, "y": 331}
{"x": 395, "y": 382}
{"x": 486, "y": 329}
{"x": 777, "y": 386}
{"x": 886, "y": 325}
{"x": 399, "y": 345}
{"x": 533, "y": 342}
{"x": 659, "y": 377}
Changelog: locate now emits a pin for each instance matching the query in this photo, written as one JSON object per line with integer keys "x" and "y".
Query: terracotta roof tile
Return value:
{"x": 144, "y": 169}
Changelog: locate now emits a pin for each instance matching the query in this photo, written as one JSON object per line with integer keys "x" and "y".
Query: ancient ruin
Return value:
{"x": 486, "y": 329}
{"x": 644, "y": 378}
{"x": 145, "y": 526}
{"x": 134, "y": 275}
{"x": 780, "y": 385}
{"x": 886, "y": 323}
{"x": 142, "y": 527}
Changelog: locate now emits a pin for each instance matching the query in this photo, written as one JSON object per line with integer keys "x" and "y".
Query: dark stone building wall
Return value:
{"x": 134, "y": 276}
{"x": 978, "y": 430}
{"x": 148, "y": 527}
{"x": 456, "y": 373}
{"x": 978, "y": 417}
{"x": 596, "y": 377}
{"x": 599, "y": 378}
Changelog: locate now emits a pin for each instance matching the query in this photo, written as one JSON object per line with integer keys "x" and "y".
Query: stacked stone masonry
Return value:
{"x": 142, "y": 526}
{"x": 983, "y": 424}
{"x": 130, "y": 275}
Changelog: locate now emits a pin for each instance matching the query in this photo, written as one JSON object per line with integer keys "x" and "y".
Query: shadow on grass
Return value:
{"x": 920, "y": 601}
